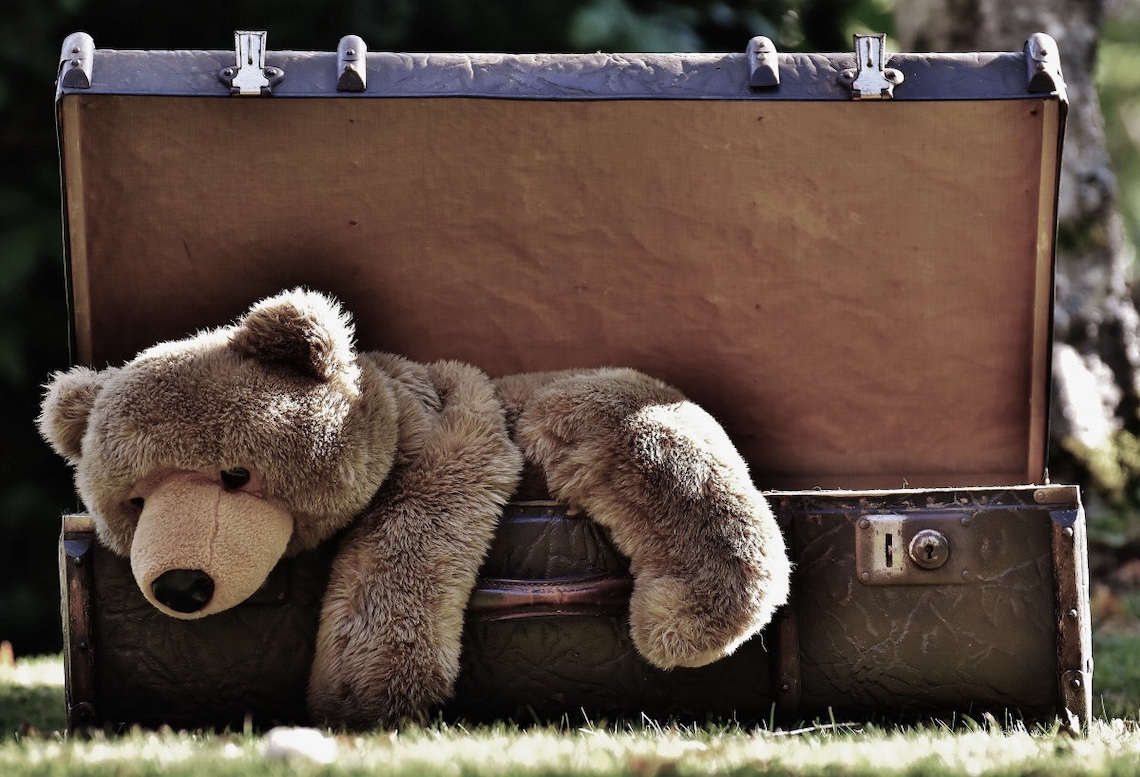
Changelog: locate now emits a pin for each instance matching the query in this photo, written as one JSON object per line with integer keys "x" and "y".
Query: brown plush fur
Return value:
{"x": 709, "y": 563}
{"x": 414, "y": 463}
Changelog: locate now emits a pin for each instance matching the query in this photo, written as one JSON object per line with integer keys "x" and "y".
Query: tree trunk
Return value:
{"x": 1095, "y": 422}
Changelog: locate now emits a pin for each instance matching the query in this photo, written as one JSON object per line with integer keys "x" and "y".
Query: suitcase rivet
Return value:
{"x": 864, "y": 524}
{"x": 967, "y": 521}
{"x": 1072, "y": 613}
{"x": 1068, "y": 532}
{"x": 965, "y": 574}
{"x": 1075, "y": 682}
{"x": 866, "y": 575}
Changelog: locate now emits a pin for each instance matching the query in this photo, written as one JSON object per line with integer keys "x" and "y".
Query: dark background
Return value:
{"x": 35, "y": 485}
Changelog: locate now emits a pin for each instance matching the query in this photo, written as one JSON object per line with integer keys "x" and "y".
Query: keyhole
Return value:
{"x": 929, "y": 549}
{"x": 889, "y": 550}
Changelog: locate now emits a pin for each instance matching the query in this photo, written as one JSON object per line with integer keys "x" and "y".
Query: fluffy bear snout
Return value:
{"x": 205, "y": 542}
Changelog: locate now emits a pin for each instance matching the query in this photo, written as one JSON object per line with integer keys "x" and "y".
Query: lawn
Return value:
{"x": 31, "y": 716}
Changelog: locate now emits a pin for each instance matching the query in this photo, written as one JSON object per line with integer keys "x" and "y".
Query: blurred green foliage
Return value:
{"x": 1112, "y": 487}
{"x": 1118, "y": 82}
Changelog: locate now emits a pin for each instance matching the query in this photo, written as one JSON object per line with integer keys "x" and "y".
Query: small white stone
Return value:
{"x": 308, "y": 743}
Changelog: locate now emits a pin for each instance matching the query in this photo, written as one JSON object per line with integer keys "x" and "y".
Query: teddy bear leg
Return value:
{"x": 391, "y": 625}
{"x": 709, "y": 562}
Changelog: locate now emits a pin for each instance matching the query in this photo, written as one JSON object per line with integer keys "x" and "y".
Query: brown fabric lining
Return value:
{"x": 854, "y": 289}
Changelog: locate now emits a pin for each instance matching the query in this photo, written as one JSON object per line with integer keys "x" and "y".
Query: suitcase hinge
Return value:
{"x": 250, "y": 76}
{"x": 763, "y": 63}
{"x": 871, "y": 79}
{"x": 351, "y": 65}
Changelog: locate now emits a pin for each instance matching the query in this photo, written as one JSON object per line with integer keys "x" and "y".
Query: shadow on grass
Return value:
{"x": 26, "y": 709}
{"x": 1116, "y": 675}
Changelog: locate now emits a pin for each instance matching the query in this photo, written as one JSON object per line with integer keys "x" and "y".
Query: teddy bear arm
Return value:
{"x": 388, "y": 643}
{"x": 392, "y": 619}
{"x": 709, "y": 562}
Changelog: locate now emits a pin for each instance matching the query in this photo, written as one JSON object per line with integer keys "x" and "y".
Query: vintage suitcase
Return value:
{"x": 847, "y": 258}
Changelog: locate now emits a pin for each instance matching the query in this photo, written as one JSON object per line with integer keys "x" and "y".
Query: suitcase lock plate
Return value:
{"x": 926, "y": 549}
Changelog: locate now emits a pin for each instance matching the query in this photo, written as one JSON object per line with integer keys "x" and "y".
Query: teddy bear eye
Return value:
{"x": 235, "y": 478}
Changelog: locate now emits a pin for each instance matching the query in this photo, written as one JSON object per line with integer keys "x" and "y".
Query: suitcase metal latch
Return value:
{"x": 871, "y": 79}
{"x": 250, "y": 76}
{"x": 915, "y": 549}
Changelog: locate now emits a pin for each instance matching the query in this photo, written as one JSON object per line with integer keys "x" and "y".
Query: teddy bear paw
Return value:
{"x": 672, "y": 625}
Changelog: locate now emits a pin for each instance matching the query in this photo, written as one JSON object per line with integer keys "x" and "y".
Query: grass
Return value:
{"x": 31, "y": 717}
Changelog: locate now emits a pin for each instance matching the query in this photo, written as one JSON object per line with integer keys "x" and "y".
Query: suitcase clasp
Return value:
{"x": 250, "y": 76}
{"x": 871, "y": 79}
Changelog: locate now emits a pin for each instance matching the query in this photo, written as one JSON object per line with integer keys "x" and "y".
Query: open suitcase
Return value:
{"x": 846, "y": 258}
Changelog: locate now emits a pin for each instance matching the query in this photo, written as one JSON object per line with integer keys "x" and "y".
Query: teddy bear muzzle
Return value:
{"x": 200, "y": 548}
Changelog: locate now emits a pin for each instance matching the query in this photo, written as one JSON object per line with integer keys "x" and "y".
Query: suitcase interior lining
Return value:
{"x": 859, "y": 292}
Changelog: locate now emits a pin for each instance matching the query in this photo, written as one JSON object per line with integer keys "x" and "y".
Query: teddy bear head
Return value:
{"x": 208, "y": 459}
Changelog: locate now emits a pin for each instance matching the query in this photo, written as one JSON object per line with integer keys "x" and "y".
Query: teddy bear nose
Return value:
{"x": 183, "y": 590}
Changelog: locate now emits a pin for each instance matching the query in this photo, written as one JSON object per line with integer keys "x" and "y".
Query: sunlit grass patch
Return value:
{"x": 31, "y": 702}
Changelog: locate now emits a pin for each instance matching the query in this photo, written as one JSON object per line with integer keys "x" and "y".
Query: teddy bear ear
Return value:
{"x": 68, "y": 399}
{"x": 303, "y": 330}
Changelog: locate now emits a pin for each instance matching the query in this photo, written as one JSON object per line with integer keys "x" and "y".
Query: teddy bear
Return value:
{"x": 206, "y": 460}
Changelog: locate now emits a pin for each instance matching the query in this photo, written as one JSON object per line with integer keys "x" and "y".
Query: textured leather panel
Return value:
{"x": 844, "y": 646}
{"x": 555, "y": 667}
{"x": 989, "y": 643}
{"x": 804, "y": 76}
{"x": 542, "y": 541}
{"x": 252, "y": 660}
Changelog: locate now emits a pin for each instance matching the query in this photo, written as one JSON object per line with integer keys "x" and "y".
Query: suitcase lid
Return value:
{"x": 859, "y": 289}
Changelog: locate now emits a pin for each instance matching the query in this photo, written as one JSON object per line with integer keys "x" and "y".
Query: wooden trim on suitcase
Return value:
{"x": 76, "y": 582}
{"x": 1074, "y": 620}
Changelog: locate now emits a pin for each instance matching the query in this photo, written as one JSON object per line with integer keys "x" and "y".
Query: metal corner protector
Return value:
{"x": 76, "y": 61}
